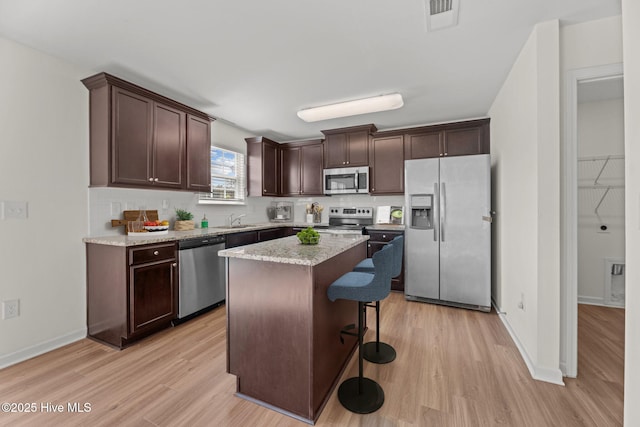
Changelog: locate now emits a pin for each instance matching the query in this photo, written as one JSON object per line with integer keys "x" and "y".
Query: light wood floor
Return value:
{"x": 454, "y": 368}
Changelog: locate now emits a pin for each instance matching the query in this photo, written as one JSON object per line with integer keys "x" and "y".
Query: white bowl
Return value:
{"x": 156, "y": 227}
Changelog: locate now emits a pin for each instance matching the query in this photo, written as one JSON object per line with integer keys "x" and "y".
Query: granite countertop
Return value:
{"x": 172, "y": 235}
{"x": 289, "y": 250}
{"x": 387, "y": 227}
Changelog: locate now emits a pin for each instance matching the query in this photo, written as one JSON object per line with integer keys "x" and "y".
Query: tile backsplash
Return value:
{"x": 106, "y": 203}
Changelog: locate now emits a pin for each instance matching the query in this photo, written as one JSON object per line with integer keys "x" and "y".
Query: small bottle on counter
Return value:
{"x": 205, "y": 222}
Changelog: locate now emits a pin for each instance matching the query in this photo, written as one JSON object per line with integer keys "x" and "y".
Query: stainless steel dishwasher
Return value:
{"x": 202, "y": 275}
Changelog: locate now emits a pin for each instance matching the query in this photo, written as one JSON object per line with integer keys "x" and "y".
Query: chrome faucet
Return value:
{"x": 232, "y": 219}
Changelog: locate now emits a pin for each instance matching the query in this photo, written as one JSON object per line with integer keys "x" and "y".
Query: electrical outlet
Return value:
{"x": 10, "y": 308}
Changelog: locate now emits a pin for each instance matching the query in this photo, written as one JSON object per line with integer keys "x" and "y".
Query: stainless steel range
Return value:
{"x": 349, "y": 220}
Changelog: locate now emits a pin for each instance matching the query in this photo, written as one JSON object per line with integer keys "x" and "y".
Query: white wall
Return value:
{"x": 631, "y": 37}
{"x": 591, "y": 43}
{"x": 43, "y": 161}
{"x": 583, "y": 46}
{"x": 600, "y": 133}
{"x": 525, "y": 160}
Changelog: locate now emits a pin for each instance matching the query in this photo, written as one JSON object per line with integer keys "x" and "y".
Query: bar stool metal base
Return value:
{"x": 369, "y": 400}
{"x": 378, "y": 352}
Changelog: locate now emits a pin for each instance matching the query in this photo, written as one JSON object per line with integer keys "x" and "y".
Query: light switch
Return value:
{"x": 14, "y": 210}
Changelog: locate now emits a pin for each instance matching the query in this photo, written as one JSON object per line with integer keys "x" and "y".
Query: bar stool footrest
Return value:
{"x": 385, "y": 353}
{"x": 369, "y": 400}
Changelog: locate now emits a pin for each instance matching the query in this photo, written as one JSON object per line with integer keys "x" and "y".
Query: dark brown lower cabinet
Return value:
{"x": 249, "y": 237}
{"x": 131, "y": 291}
{"x": 241, "y": 239}
{"x": 272, "y": 233}
{"x": 377, "y": 240}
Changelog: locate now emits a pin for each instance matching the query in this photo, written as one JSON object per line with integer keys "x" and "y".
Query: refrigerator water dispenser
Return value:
{"x": 422, "y": 211}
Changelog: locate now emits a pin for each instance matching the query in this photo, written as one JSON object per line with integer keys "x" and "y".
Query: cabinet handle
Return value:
{"x": 156, "y": 253}
{"x": 150, "y": 179}
{"x": 347, "y": 162}
{"x": 384, "y": 236}
{"x": 156, "y": 180}
{"x": 175, "y": 264}
{"x": 264, "y": 191}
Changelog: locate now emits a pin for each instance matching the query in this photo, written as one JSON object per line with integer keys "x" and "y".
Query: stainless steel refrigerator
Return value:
{"x": 448, "y": 231}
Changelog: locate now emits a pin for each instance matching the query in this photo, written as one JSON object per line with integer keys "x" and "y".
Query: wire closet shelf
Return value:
{"x": 601, "y": 181}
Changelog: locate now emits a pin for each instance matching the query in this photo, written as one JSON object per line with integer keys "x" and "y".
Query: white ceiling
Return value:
{"x": 255, "y": 63}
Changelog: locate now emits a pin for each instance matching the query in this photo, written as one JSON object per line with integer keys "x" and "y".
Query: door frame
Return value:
{"x": 569, "y": 216}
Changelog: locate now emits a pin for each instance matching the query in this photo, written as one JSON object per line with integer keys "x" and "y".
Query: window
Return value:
{"x": 227, "y": 177}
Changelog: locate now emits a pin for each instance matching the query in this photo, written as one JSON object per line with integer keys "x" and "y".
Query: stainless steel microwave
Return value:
{"x": 346, "y": 180}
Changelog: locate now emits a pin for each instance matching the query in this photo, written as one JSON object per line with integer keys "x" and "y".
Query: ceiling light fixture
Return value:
{"x": 352, "y": 108}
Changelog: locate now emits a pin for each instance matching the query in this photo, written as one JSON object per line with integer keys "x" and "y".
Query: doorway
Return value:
{"x": 576, "y": 81}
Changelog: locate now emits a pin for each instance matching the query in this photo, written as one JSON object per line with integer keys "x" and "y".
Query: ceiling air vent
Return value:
{"x": 441, "y": 14}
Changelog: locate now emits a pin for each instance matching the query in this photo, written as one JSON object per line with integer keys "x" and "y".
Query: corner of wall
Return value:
{"x": 540, "y": 373}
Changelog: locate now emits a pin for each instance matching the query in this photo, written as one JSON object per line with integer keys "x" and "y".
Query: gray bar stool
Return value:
{"x": 359, "y": 394}
{"x": 376, "y": 351}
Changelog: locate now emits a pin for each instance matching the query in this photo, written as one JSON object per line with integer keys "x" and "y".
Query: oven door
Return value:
{"x": 346, "y": 181}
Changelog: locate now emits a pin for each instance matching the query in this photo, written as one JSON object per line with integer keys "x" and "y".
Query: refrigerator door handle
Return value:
{"x": 443, "y": 212}
{"x": 355, "y": 181}
{"x": 435, "y": 217}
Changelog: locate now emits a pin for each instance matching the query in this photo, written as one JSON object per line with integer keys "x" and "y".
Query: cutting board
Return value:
{"x": 133, "y": 216}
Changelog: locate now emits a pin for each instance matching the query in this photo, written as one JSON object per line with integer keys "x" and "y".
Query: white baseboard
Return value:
{"x": 553, "y": 376}
{"x": 590, "y": 300}
{"x": 597, "y": 301}
{"x": 44, "y": 347}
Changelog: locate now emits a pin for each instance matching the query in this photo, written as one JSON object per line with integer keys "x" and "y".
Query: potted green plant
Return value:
{"x": 308, "y": 236}
{"x": 184, "y": 220}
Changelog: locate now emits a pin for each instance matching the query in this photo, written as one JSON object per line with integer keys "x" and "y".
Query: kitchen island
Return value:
{"x": 283, "y": 333}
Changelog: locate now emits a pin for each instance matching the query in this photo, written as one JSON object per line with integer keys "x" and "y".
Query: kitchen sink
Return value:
{"x": 234, "y": 226}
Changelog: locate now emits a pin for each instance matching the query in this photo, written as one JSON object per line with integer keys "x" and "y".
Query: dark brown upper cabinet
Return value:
{"x": 449, "y": 139}
{"x": 143, "y": 140}
{"x": 311, "y": 162}
{"x": 263, "y": 166}
{"x": 198, "y": 154}
{"x": 290, "y": 176}
{"x": 301, "y": 172}
{"x": 386, "y": 161}
{"x": 168, "y": 148}
{"x": 295, "y": 169}
{"x": 424, "y": 145}
{"x": 347, "y": 147}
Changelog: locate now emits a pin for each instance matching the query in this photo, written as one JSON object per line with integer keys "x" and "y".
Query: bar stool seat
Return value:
{"x": 377, "y": 351}
{"x": 359, "y": 394}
